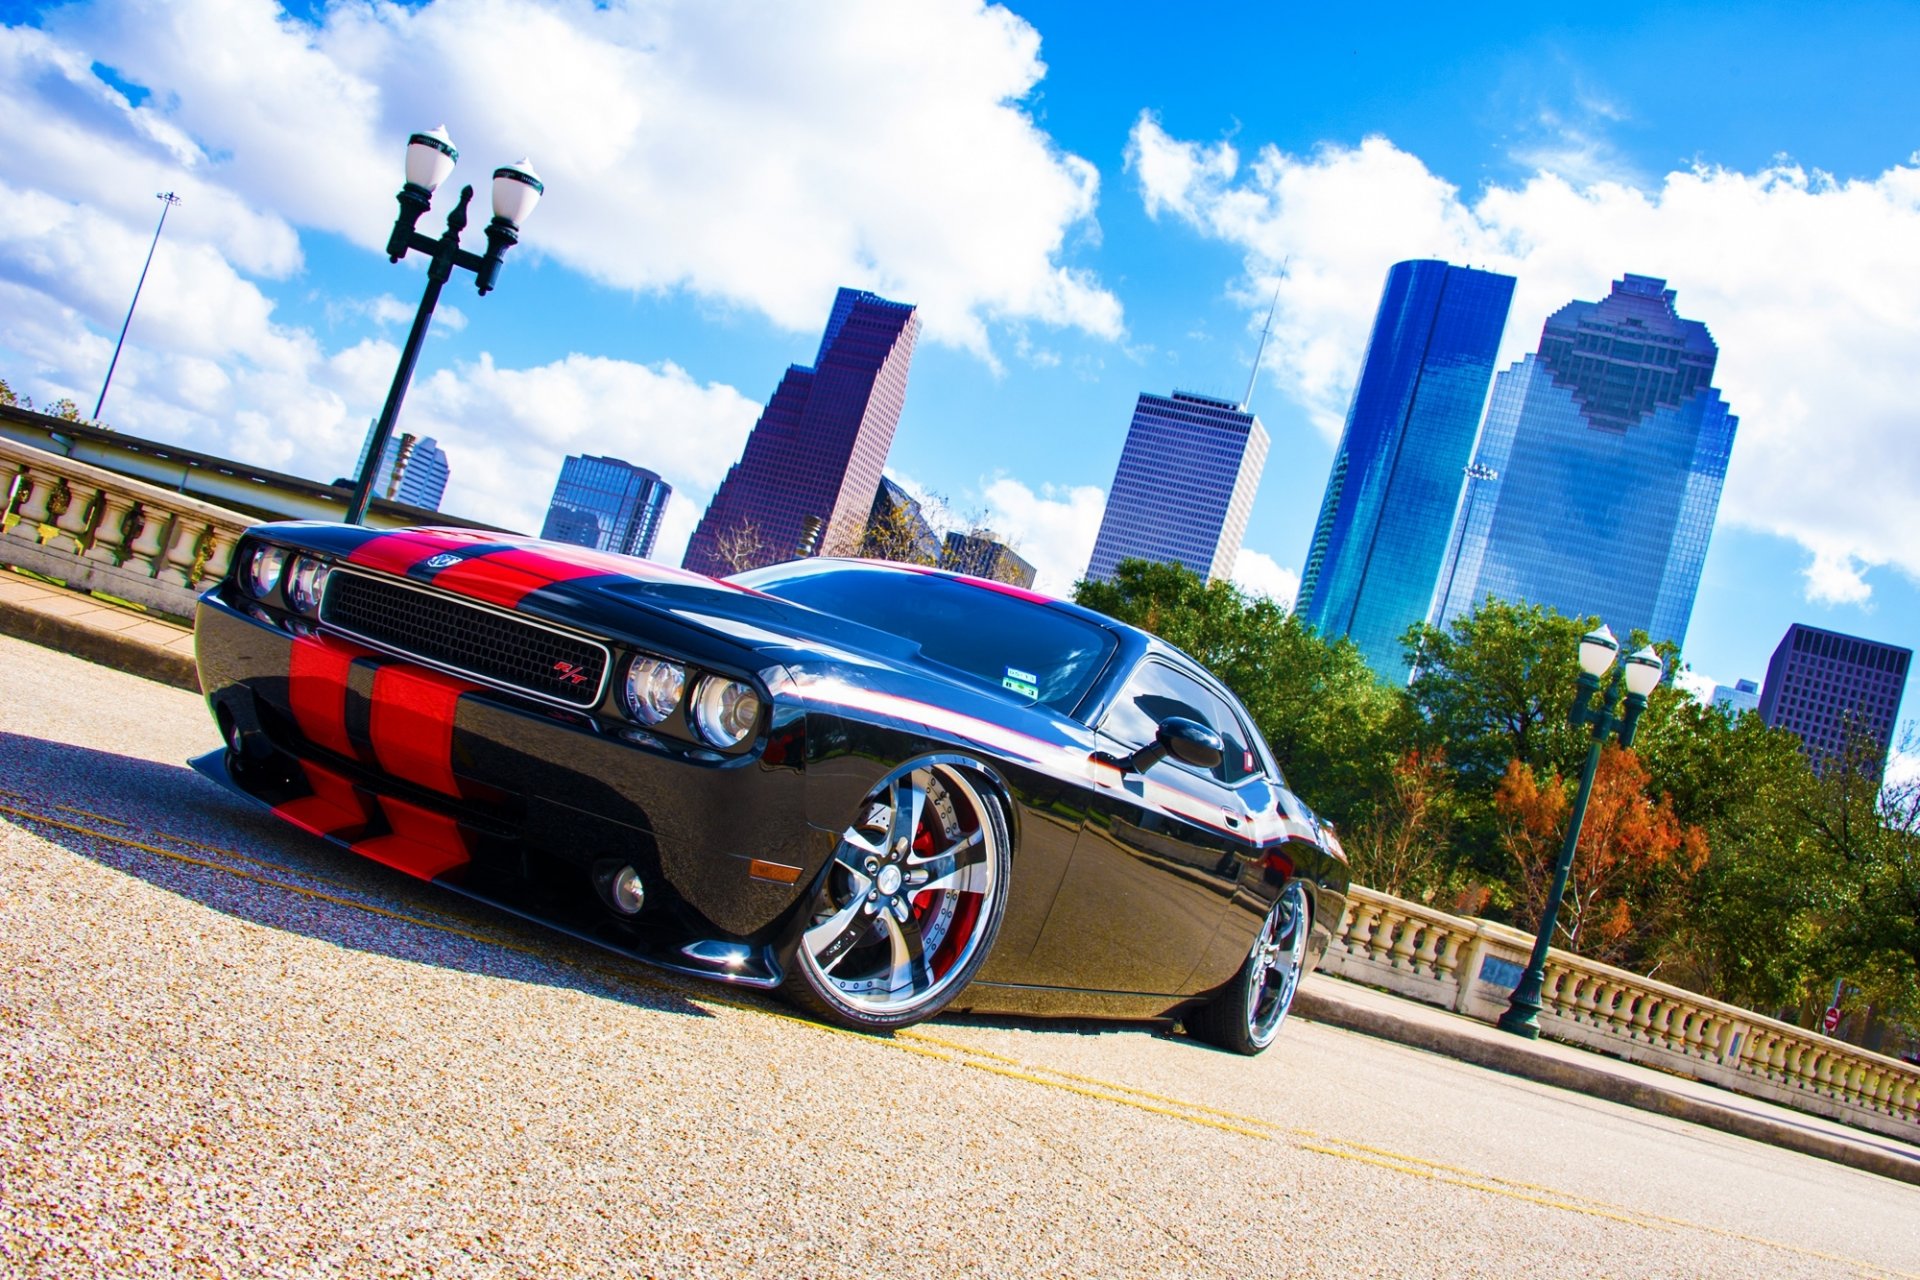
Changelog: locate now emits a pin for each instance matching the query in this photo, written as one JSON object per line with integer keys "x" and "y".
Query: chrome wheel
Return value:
{"x": 910, "y": 903}
{"x": 1246, "y": 1013}
{"x": 1275, "y": 963}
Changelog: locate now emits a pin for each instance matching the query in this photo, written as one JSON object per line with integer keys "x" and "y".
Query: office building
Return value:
{"x": 413, "y": 469}
{"x": 1605, "y": 452}
{"x": 1831, "y": 688}
{"x": 606, "y": 504}
{"x": 819, "y": 446}
{"x": 1742, "y": 695}
{"x": 1386, "y": 521}
{"x": 981, "y": 555}
{"x": 1184, "y": 487}
{"x": 897, "y": 529}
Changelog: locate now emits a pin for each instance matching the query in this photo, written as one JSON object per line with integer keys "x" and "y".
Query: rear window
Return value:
{"x": 1030, "y": 652}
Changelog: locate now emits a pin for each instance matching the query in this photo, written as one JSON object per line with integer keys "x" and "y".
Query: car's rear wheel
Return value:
{"x": 1245, "y": 1015}
{"x": 909, "y": 905}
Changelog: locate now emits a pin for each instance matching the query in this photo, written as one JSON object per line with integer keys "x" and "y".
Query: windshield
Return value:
{"x": 1028, "y": 651}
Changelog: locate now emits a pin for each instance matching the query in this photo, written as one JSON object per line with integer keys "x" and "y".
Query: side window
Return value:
{"x": 1155, "y": 692}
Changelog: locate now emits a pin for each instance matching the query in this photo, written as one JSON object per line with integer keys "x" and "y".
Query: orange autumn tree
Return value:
{"x": 1630, "y": 870}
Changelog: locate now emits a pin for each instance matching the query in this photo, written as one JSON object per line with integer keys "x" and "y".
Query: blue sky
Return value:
{"x": 1086, "y": 202}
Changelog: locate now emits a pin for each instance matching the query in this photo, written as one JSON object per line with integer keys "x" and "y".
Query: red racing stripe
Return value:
{"x": 317, "y": 689}
{"x": 411, "y": 723}
{"x": 333, "y": 807}
{"x": 399, "y": 552}
{"x": 505, "y": 577}
{"x": 423, "y": 844}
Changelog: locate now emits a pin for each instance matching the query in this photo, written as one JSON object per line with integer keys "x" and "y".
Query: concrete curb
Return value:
{"x": 108, "y": 648}
{"x": 1521, "y": 1059}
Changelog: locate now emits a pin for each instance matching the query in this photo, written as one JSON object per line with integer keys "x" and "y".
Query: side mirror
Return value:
{"x": 1187, "y": 741}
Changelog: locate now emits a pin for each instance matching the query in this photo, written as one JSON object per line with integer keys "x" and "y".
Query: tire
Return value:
{"x": 1245, "y": 1015}
{"x": 908, "y": 907}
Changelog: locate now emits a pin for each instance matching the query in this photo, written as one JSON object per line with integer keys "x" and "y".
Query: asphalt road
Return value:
{"x": 226, "y": 1049}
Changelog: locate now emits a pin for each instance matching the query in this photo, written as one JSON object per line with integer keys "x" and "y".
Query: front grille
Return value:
{"x": 441, "y": 631}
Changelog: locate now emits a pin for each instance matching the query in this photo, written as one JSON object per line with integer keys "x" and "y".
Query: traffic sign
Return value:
{"x": 1832, "y": 1018}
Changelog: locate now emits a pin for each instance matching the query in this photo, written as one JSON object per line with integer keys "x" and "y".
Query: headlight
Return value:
{"x": 724, "y": 711}
{"x": 307, "y": 583}
{"x": 653, "y": 688}
{"x": 263, "y": 571}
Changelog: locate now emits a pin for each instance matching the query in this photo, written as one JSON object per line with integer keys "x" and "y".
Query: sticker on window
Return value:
{"x": 1022, "y": 687}
{"x": 1024, "y": 677}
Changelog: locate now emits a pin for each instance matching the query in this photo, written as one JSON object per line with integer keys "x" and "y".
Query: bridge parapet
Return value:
{"x": 97, "y": 530}
{"x": 1471, "y": 966}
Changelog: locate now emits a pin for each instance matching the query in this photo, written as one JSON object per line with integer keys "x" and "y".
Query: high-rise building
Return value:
{"x": 606, "y": 504}
{"x": 1828, "y": 687}
{"x": 1605, "y": 453}
{"x": 1742, "y": 695}
{"x": 819, "y": 447}
{"x": 897, "y": 529}
{"x": 413, "y": 469}
{"x": 1184, "y": 487}
{"x": 1385, "y": 521}
{"x": 981, "y": 555}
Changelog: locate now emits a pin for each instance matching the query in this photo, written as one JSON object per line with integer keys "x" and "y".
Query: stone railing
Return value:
{"x": 97, "y": 530}
{"x": 1471, "y": 967}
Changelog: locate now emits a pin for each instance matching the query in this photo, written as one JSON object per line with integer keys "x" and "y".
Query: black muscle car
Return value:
{"x": 884, "y": 790}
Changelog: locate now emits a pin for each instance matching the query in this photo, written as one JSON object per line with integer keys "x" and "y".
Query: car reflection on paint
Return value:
{"x": 883, "y": 790}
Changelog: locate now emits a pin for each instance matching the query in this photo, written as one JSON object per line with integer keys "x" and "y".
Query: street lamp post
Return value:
{"x": 167, "y": 200}
{"x": 1640, "y": 672}
{"x": 1473, "y": 471}
{"x": 430, "y": 159}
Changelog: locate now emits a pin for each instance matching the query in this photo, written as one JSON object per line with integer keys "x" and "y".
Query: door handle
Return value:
{"x": 1232, "y": 820}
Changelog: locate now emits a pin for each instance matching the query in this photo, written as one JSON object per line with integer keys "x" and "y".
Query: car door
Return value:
{"x": 1160, "y": 854}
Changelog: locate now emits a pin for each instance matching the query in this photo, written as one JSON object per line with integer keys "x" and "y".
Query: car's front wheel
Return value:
{"x": 908, "y": 908}
{"x": 1245, "y": 1015}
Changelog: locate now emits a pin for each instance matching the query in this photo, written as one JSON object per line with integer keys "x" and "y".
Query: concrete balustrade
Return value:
{"x": 97, "y": 530}
{"x": 1471, "y": 967}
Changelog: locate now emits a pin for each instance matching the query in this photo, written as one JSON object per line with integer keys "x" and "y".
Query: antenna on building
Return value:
{"x": 1254, "y": 376}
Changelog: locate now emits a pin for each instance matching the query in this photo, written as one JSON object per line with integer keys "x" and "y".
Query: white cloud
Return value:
{"x": 1259, "y": 574}
{"x": 759, "y": 156}
{"x": 1811, "y": 287}
{"x": 1053, "y": 527}
{"x": 507, "y": 429}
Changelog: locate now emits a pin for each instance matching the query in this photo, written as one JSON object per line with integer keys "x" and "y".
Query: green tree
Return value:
{"x": 6, "y": 394}
{"x": 1333, "y": 727}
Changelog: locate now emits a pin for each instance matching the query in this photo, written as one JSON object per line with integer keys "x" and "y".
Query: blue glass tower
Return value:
{"x": 606, "y": 504}
{"x": 413, "y": 469}
{"x": 1184, "y": 488}
{"x": 1611, "y": 447}
{"x": 1382, "y": 534}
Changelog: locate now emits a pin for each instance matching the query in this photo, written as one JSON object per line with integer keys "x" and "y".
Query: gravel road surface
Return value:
{"x": 228, "y": 1050}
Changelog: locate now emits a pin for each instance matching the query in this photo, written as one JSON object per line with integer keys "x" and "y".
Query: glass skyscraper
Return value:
{"x": 1385, "y": 521}
{"x": 606, "y": 504}
{"x": 1610, "y": 448}
{"x": 819, "y": 447}
{"x": 1184, "y": 488}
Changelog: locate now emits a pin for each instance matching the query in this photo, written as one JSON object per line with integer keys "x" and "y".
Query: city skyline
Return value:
{"x": 1085, "y": 206}
{"x": 1605, "y": 452}
{"x": 1381, "y": 541}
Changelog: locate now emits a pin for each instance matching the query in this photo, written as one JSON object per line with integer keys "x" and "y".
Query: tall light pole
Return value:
{"x": 430, "y": 159}
{"x": 1641, "y": 672}
{"x": 167, "y": 200}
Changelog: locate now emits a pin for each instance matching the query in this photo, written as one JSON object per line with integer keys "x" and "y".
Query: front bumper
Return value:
{"x": 513, "y": 802}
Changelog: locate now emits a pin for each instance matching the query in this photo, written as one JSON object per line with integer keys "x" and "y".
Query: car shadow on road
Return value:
{"x": 169, "y": 827}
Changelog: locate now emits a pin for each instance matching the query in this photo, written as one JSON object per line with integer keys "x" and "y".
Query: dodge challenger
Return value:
{"x": 880, "y": 789}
